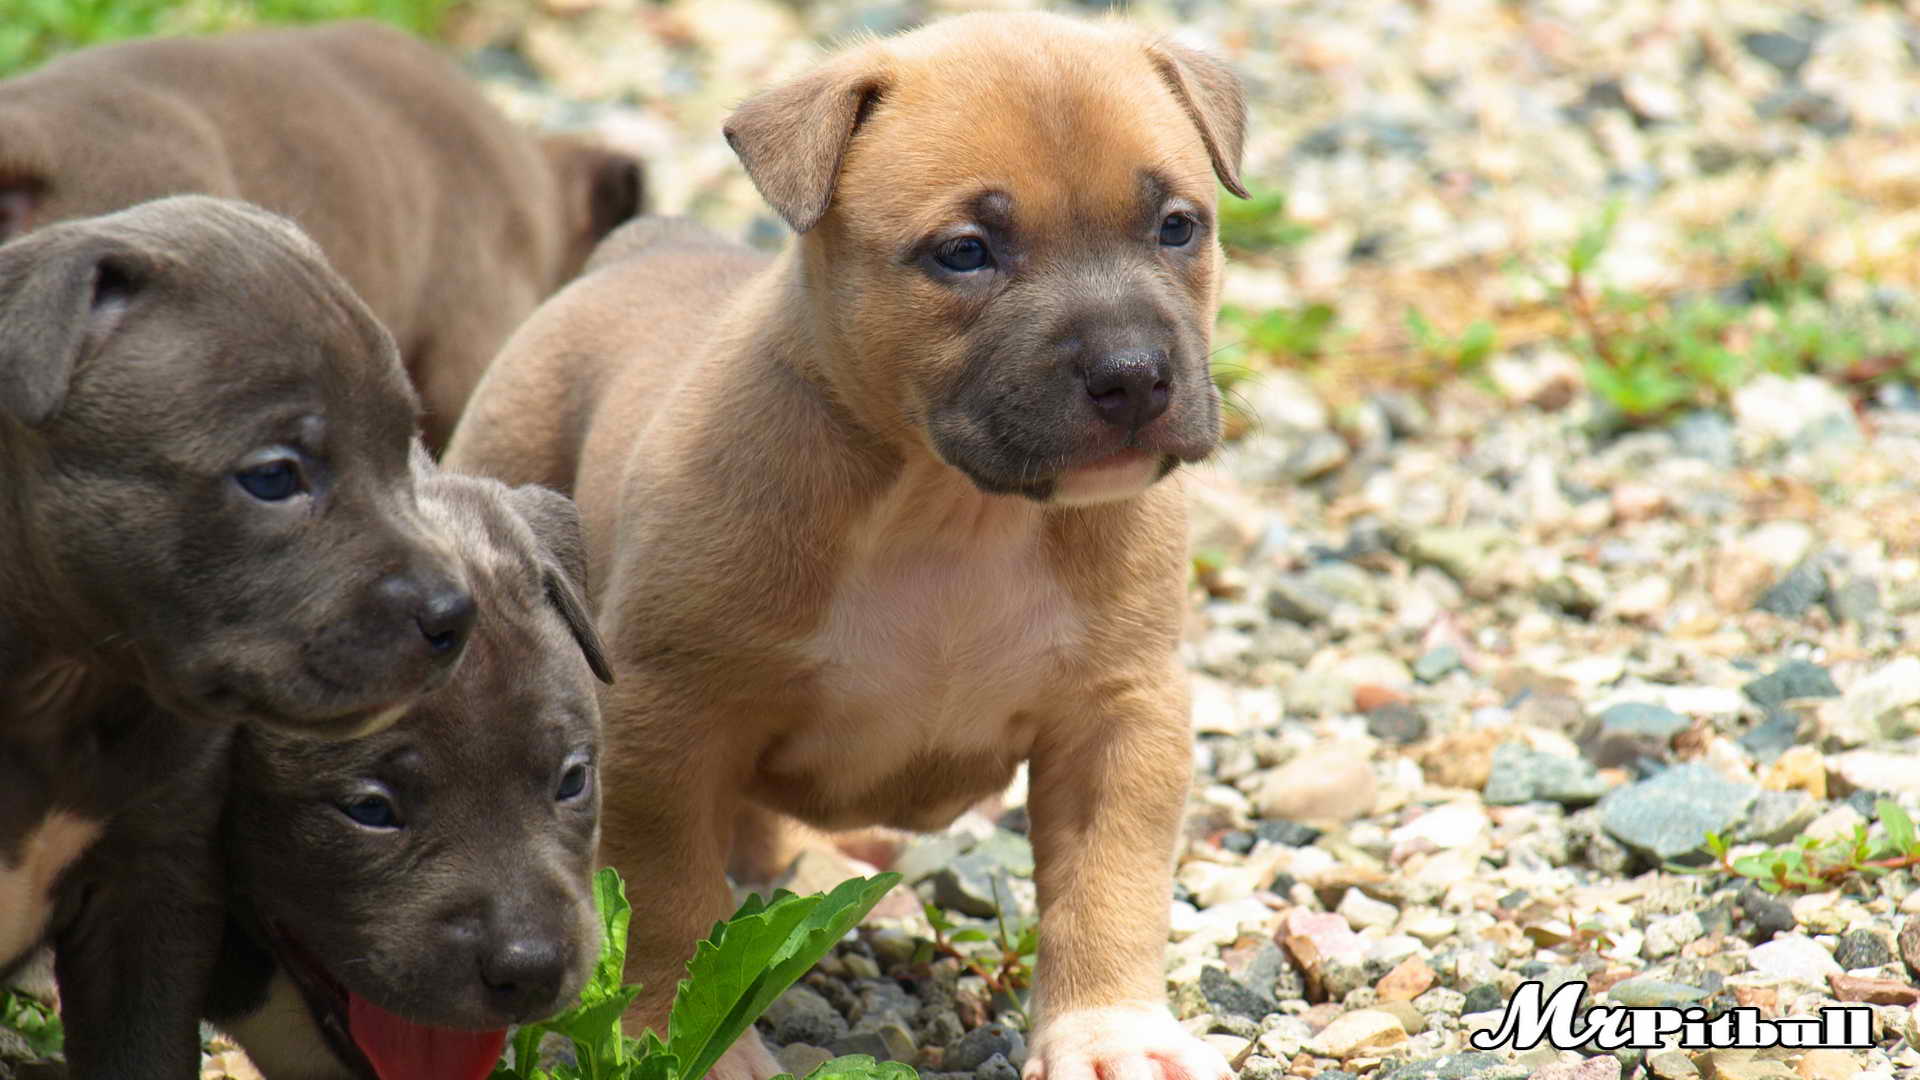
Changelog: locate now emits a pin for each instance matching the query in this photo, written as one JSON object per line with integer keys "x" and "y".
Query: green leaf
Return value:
{"x": 1899, "y": 826}
{"x": 862, "y": 1067}
{"x": 37, "y": 1023}
{"x": 972, "y": 933}
{"x": 752, "y": 958}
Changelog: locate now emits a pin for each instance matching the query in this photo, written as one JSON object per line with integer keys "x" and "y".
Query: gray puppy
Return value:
{"x": 398, "y": 901}
{"x": 207, "y": 454}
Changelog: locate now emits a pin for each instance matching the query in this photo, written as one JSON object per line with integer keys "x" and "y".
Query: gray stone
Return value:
{"x": 802, "y": 1058}
{"x": 801, "y": 1015}
{"x": 1316, "y": 455}
{"x": 1641, "y": 718}
{"x": 1398, "y": 724}
{"x": 1791, "y": 681}
{"x": 996, "y": 1067}
{"x": 1230, "y": 996}
{"x": 865, "y": 1042}
{"x": 972, "y": 885}
{"x": 976, "y": 1046}
{"x": 1436, "y": 664}
{"x": 1293, "y": 598}
{"x": 1771, "y": 738}
{"x": 1804, "y": 586}
{"x": 1862, "y": 949}
{"x": 1785, "y": 52}
{"x": 1778, "y": 817}
{"x": 1010, "y": 850}
{"x": 1707, "y": 435}
{"x": 1345, "y": 581}
{"x": 1521, "y": 774}
{"x": 1286, "y": 833}
{"x": 1857, "y": 601}
{"x": 1669, "y": 815}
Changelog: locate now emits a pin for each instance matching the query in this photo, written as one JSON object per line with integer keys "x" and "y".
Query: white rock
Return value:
{"x": 1796, "y": 957}
{"x": 1451, "y": 826}
{"x": 1781, "y": 543}
{"x": 1664, "y": 937}
{"x": 1876, "y": 770}
{"x": 1774, "y": 409}
{"x": 1364, "y": 911}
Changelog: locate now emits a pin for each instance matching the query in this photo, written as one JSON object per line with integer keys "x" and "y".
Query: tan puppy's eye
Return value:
{"x": 963, "y": 255}
{"x": 1176, "y": 230}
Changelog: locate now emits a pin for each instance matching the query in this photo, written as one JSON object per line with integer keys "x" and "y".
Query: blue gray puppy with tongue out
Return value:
{"x": 399, "y": 900}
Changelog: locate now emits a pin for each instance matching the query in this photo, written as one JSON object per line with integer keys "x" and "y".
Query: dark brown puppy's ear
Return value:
{"x": 792, "y": 138}
{"x": 1211, "y": 93}
{"x": 555, "y": 522}
{"x": 604, "y": 187}
{"x": 61, "y": 294}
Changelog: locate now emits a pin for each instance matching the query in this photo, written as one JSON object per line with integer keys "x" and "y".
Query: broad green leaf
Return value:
{"x": 862, "y": 1067}
{"x": 972, "y": 933}
{"x": 752, "y": 958}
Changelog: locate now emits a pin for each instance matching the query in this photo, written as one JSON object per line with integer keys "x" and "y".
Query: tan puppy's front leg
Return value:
{"x": 1107, "y": 794}
{"x": 667, "y": 827}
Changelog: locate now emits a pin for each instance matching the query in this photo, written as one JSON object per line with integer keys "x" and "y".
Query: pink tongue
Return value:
{"x": 402, "y": 1050}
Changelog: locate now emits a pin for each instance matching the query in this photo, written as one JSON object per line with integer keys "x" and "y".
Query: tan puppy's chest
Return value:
{"x": 928, "y": 669}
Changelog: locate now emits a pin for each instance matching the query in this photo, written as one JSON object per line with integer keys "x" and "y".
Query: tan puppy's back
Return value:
{"x": 591, "y": 363}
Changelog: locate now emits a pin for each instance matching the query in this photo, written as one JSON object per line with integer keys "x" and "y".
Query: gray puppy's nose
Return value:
{"x": 445, "y": 620}
{"x": 523, "y": 975}
{"x": 1130, "y": 387}
{"x": 439, "y": 608}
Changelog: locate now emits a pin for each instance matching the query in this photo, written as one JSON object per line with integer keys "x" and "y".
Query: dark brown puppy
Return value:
{"x": 207, "y": 463}
{"x": 451, "y": 222}
{"x": 874, "y": 522}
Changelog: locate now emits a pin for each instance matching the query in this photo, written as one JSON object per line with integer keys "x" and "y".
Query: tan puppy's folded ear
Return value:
{"x": 61, "y": 294}
{"x": 555, "y": 522}
{"x": 792, "y": 138}
{"x": 1211, "y": 93}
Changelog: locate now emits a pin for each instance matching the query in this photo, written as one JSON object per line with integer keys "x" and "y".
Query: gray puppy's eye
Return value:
{"x": 372, "y": 810}
{"x": 272, "y": 482}
{"x": 573, "y": 782}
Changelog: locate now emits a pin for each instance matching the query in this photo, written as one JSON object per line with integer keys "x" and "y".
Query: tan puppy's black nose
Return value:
{"x": 523, "y": 976}
{"x": 1130, "y": 387}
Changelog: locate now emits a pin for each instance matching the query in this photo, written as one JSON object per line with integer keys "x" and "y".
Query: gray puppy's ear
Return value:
{"x": 62, "y": 292}
{"x": 555, "y": 522}
{"x": 1211, "y": 93}
{"x": 791, "y": 139}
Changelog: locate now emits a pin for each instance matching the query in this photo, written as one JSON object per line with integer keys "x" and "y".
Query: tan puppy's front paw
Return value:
{"x": 1121, "y": 1042}
{"x": 747, "y": 1059}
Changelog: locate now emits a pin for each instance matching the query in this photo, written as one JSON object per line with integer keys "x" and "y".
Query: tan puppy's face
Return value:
{"x": 1014, "y": 256}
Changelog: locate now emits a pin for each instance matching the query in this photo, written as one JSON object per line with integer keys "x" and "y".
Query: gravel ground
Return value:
{"x": 1472, "y": 663}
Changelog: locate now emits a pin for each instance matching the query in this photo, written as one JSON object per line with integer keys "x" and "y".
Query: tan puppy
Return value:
{"x": 873, "y": 524}
{"x": 452, "y": 222}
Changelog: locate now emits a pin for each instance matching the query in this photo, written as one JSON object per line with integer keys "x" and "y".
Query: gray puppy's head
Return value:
{"x": 432, "y": 883}
{"x": 210, "y": 444}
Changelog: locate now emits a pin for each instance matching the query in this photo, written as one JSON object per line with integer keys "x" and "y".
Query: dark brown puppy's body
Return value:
{"x": 873, "y": 523}
{"x": 206, "y": 518}
{"x": 451, "y": 222}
